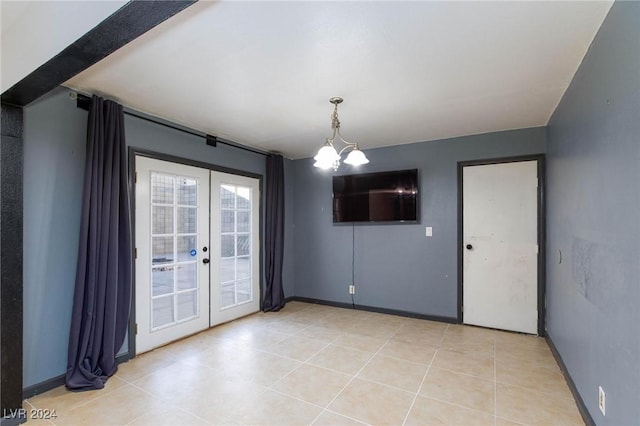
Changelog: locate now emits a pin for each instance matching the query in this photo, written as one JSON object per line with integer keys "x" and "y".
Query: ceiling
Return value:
{"x": 261, "y": 73}
{"x": 32, "y": 32}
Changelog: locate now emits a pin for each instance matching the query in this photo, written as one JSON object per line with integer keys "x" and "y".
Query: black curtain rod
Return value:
{"x": 84, "y": 102}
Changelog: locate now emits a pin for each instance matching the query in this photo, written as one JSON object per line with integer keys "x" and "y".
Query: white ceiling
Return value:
{"x": 32, "y": 32}
{"x": 261, "y": 73}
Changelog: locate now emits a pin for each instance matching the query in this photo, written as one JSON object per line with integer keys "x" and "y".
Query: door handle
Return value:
{"x": 469, "y": 247}
{"x": 205, "y": 260}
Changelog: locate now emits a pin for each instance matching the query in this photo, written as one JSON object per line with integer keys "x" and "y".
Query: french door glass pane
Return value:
{"x": 162, "y": 189}
{"x": 243, "y": 245}
{"x": 187, "y": 250}
{"x": 244, "y": 223}
{"x": 227, "y": 295}
{"x": 161, "y": 250}
{"x": 228, "y": 196}
{"x": 162, "y": 280}
{"x": 174, "y": 252}
{"x": 162, "y": 220}
{"x": 187, "y": 220}
{"x": 187, "y": 276}
{"x": 162, "y": 311}
{"x": 243, "y": 267}
{"x": 244, "y": 198}
{"x": 243, "y": 290}
{"x": 227, "y": 245}
{"x": 187, "y": 191}
{"x": 187, "y": 305}
{"x": 227, "y": 270}
{"x": 228, "y": 221}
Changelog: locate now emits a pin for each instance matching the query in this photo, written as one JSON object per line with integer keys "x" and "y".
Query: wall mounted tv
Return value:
{"x": 376, "y": 197}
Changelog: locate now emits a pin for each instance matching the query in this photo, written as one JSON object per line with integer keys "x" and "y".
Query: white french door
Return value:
{"x": 197, "y": 250}
{"x": 172, "y": 223}
{"x": 235, "y": 247}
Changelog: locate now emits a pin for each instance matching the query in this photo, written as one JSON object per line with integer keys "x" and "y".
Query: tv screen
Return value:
{"x": 376, "y": 197}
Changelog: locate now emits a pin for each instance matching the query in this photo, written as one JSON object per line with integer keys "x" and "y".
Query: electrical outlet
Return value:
{"x": 602, "y": 400}
{"x": 352, "y": 289}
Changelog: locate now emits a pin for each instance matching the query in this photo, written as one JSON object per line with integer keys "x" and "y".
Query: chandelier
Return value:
{"x": 328, "y": 157}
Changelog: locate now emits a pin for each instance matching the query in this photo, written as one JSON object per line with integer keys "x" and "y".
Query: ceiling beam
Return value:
{"x": 126, "y": 24}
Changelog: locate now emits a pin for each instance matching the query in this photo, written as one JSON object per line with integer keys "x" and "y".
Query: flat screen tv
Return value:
{"x": 376, "y": 197}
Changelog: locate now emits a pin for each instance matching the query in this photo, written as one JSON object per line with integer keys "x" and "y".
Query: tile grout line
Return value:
{"x": 424, "y": 377}
{"x": 301, "y": 363}
{"x": 297, "y": 367}
{"x": 352, "y": 379}
{"x": 341, "y": 415}
{"x": 550, "y": 394}
{"x": 322, "y": 409}
{"x": 455, "y": 404}
{"x": 270, "y": 387}
{"x": 386, "y": 385}
{"x": 306, "y": 362}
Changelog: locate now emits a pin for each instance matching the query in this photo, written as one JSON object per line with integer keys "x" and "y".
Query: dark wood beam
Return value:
{"x": 11, "y": 160}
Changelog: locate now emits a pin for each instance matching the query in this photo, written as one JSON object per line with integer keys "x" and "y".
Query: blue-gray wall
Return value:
{"x": 396, "y": 266}
{"x": 593, "y": 218}
{"x": 54, "y": 143}
{"x": 54, "y": 153}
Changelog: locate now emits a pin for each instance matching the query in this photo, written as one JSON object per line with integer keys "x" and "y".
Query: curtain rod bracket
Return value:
{"x": 212, "y": 141}
{"x": 82, "y": 101}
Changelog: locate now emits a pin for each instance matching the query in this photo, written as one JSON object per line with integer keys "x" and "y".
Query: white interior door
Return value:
{"x": 172, "y": 229}
{"x": 235, "y": 244}
{"x": 500, "y": 237}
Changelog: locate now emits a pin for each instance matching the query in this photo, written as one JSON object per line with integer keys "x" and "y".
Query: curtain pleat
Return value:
{"x": 102, "y": 297}
{"x": 274, "y": 234}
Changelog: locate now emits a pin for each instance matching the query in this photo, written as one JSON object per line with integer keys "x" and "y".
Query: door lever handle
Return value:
{"x": 205, "y": 260}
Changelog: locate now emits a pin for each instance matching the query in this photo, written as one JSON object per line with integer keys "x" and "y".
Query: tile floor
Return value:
{"x": 314, "y": 364}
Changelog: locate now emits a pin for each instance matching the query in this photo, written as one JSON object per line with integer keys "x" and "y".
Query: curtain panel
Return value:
{"x": 102, "y": 297}
{"x": 274, "y": 234}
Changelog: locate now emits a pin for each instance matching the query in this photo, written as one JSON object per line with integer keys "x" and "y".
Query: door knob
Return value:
{"x": 205, "y": 260}
{"x": 469, "y": 246}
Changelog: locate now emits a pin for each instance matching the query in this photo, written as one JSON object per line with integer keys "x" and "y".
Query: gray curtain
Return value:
{"x": 102, "y": 298}
{"x": 274, "y": 234}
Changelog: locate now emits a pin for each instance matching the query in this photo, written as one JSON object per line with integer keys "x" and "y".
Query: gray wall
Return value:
{"x": 593, "y": 219}
{"x": 396, "y": 266}
{"x": 54, "y": 143}
{"x": 54, "y": 135}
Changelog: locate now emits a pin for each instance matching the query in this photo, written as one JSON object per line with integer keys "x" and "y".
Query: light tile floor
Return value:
{"x": 314, "y": 364}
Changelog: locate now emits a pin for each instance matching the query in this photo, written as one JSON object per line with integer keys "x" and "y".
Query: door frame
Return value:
{"x": 542, "y": 281}
{"x": 132, "y": 153}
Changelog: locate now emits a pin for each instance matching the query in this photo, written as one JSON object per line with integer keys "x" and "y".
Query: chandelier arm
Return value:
{"x": 349, "y": 146}
{"x": 344, "y": 141}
